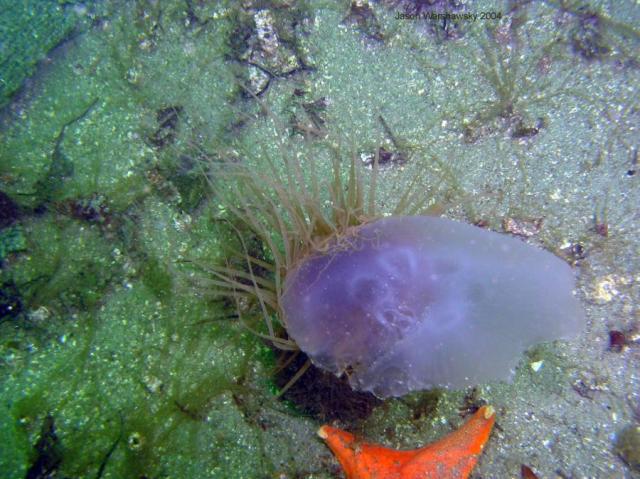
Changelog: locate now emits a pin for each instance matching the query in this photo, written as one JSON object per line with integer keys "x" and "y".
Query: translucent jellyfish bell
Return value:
{"x": 415, "y": 302}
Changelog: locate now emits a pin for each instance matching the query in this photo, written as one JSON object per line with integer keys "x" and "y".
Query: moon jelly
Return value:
{"x": 413, "y": 302}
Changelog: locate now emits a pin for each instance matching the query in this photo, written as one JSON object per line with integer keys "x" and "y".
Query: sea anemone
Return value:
{"x": 396, "y": 303}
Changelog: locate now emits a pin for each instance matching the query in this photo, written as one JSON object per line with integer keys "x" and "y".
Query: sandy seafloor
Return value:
{"x": 111, "y": 364}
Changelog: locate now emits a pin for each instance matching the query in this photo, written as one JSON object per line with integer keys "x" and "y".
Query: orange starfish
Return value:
{"x": 452, "y": 457}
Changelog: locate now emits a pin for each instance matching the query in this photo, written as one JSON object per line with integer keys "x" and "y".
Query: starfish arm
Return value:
{"x": 455, "y": 455}
{"x": 360, "y": 460}
{"x": 452, "y": 457}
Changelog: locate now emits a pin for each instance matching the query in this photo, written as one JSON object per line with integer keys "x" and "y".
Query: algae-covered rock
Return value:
{"x": 12, "y": 240}
{"x": 28, "y": 30}
{"x": 65, "y": 264}
{"x": 149, "y": 381}
{"x": 628, "y": 446}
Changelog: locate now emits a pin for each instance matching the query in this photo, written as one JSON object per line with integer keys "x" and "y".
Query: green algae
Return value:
{"x": 47, "y": 275}
{"x": 28, "y": 31}
{"x": 113, "y": 377}
{"x": 12, "y": 240}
